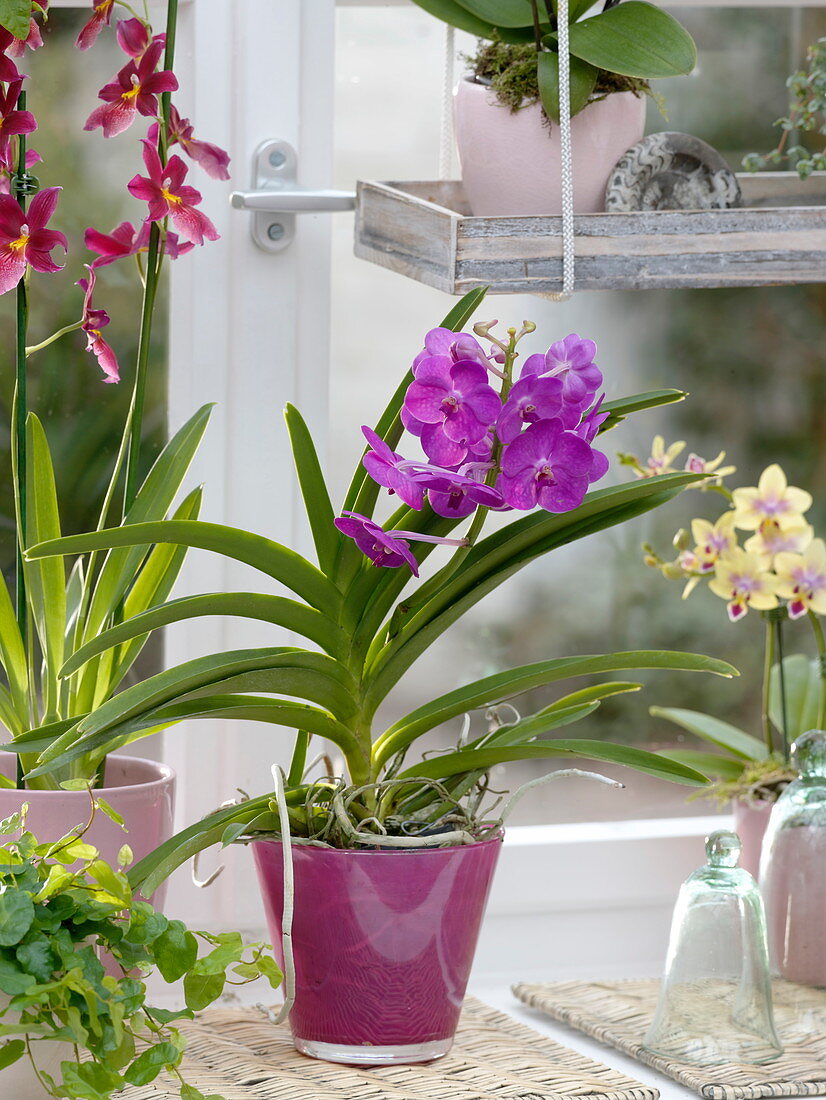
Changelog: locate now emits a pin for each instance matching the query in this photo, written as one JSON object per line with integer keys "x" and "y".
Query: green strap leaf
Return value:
{"x": 500, "y": 13}
{"x": 728, "y": 737}
{"x": 505, "y": 685}
{"x": 618, "y": 410}
{"x": 263, "y": 607}
{"x": 634, "y": 39}
{"x": 319, "y": 510}
{"x": 710, "y": 764}
{"x": 268, "y": 557}
{"x": 13, "y": 655}
{"x": 152, "y": 502}
{"x": 803, "y": 687}
{"x": 460, "y": 16}
{"x": 454, "y": 763}
{"x": 583, "y": 81}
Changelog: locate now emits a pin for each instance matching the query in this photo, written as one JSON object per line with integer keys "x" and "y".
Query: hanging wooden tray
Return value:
{"x": 425, "y": 231}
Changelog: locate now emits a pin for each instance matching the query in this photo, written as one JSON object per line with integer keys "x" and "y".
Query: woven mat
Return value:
{"x": 618, "y": 1013}
{"x": 238, "y": 1054}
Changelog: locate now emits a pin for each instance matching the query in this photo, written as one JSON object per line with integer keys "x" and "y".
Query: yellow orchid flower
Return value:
{"x": 662, "y": 458}
{"x": 696, "y": 465}
{"x": 773, "y": 498}
{"x": 712, "y": 540}
{"x": 772, "y": 539}
{"x": 743, "y": 581}
{"x": 801, "y": 579}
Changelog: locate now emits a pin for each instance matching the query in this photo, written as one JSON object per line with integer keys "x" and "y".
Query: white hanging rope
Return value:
{"x": 446, "y": 134}
{"x": 568, "y": 242}
{"x": 289, "y": 895}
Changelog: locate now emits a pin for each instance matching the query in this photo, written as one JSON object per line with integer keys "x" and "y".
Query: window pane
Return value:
{"x": 750, "y": 358}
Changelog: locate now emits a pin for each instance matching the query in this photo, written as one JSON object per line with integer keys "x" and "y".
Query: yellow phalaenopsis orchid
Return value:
{"x": 802, "y": 579}
{"x": 772, "y": 499}
{"x": 662, "y": 457}
{"x": 712, "y": 540}
{"x": 744, "y": 581}
{"x": 772, "y": 539}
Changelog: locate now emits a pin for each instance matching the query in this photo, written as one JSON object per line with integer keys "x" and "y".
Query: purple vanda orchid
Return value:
{"x": 532, "y": 399}
{"x": 462, "y": 495}
{"x": 389, "y": 549}
{"x": 549, "y": 466}
{"x": 455, "y": 404}
{"x": 588, "y": 429}
{"x": 391, "y": 470}
{"x": 455, "y": 345}
{"x": 572, "y": 360}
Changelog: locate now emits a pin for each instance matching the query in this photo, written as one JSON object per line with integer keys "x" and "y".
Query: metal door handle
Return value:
{"x": 275, "y": 192}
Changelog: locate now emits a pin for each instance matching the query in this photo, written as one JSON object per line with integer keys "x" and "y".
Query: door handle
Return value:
{"x": 276, "y": 198}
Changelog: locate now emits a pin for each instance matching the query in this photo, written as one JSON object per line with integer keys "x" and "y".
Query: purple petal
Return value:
{"x": 440, "y": 449}
{"x": 519, "y": 491}
{"x": 534, "y": 364}
{"x": 425, "y": 401}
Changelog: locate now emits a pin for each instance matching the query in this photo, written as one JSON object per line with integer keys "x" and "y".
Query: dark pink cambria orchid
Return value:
{"x": 8, "y": 165}
{"x": 212, "y": 158}
{"x": 134, "y": 37}
{"x": 133, "y": 92}
{"x": 24, "y": 238}
{"x": 12, "y": 121}
{"x": 168, "y": 196}
{"x": 125, "y": 240}
{"x": 101, "y": 17}
{"x": 93, "y": 321}
{"x": 8, "y": 69}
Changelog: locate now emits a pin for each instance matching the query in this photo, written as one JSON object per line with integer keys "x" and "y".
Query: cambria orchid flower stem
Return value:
{"x": 20, "y": 413}
{"x": 32, "y": 348}
{"x": 154, "y": 260}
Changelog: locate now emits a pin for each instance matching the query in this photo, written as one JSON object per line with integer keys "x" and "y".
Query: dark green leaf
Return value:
{"x": 634, "y": 39}
{"x": 710, "y": 764}
{"x": 175, "y": 951}
{"x": 90, "y": 1080}
{"x": 618, "y": 410}
{"x": 148, "y": 1065}
{"x": 36, "y": 958}
{"x": 583, "y": 81}
{"x": 500, "y": 13}
{"x": 459, "y": 16}
{"x": 16, "y": 916}
{"x": 11, "y": 1052}
{"x": 13, "y": 980}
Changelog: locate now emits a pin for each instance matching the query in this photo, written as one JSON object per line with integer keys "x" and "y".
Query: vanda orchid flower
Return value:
{"x": 133, "y": 92}
{"x": 24, "y": 238}
{"x": 388, "y": 548}
{"x": 168, "y": 196}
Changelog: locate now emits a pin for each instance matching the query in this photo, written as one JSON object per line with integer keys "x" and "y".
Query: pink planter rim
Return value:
{"x": 430, "y": 849}
{"x": 157, "y": 774}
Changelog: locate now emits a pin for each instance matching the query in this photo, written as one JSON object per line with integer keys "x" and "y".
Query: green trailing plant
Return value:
{"x": 620, "y": 48}
{"x": 807, "y": 115}
{"x": 64, "y": 911}
{"x": 368, "y": 625}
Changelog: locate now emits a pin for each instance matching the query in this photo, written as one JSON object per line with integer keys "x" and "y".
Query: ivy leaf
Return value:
{"x": 12, "y": 824}
{"x": 15, "y": 16}
{"x": 13, "y": 980}
{"x": 110, "y": 811}
{"x": 189, "y": 1092}
{"x": 90, "y": 1081}
{"x": 169, "y": 1016}
{"x": 111, "y": 882}
{"x": 16, "y": 916}
{"x": 36, "y": 958}
{"x": 175, "y": 951}
{"x": 270, "y": 970}
{"x": 202, "y": 989}
{"x": 11, "y": 1052}
{"x": 148, "y": 1065}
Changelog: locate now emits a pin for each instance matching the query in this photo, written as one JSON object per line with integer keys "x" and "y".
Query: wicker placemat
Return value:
{"x": 618, "y": 1013}
{"x": 240, "y": 1055}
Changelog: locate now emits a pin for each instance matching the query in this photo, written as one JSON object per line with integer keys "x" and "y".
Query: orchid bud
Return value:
{"x": 682, "y": 540}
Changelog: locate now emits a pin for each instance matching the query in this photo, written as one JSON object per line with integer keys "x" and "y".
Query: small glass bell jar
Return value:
{"x": 715, "y": 1001}
{"x": 793, "y": 868}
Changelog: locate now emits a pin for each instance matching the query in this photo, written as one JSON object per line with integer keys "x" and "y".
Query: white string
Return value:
{"x": 289, "y": 895}
{"x": 446, "y": 134}
{"x": 568, "y": 241}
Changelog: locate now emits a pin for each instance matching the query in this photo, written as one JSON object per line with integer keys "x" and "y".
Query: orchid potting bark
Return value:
{"x": 50, "y": 615}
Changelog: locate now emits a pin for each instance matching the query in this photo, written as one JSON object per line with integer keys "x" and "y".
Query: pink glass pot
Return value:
{"x": 383, "y": 944}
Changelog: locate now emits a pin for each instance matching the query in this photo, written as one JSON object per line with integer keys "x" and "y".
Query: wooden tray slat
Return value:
{"x": 424, "y": 230}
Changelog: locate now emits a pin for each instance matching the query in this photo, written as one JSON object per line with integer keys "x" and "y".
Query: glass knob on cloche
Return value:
{"x": 715, "y": 1001}
{"x": 793, "y": 867}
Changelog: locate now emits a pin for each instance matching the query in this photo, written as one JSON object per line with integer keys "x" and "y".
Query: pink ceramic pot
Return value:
{"x": 383, "y": 944}
{"x": 511, "y": 160}
{"x": 142, "y": 791}
{"x": 750, "y": 821}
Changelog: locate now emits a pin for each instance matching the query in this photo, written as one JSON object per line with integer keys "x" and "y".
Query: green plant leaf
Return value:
{"x": 710, "y": 764}
{"x": 201, "y": 989}
{"x": 15, "y": 16}
{"x": 152, "y": 502}
{"x": 500, "y": 13}
{"x": 505, "y": 685}
{"x": 175, "y": 951}
{"x": 268, "y": 557}
{"x": 16, "y": 916}
{"x": 618, "y": 410}
{"x": 454, "y": 763}
{"x": 250, "y": 605}
{"x": 582, "y": 83}
{"x": 317, "y": 504}
{"x": 634, "y": 39}
{"x": 13, "y": 657}
{"x": 11, "y": 1052}
{"x": 45, "y": 581}
{"x": 459, "y": 16}
{"x": 803, "y": 688}
{"x": 13, "y": 980}
{"x": 725, "y": 736}
{"x": 149, "y": 1064}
